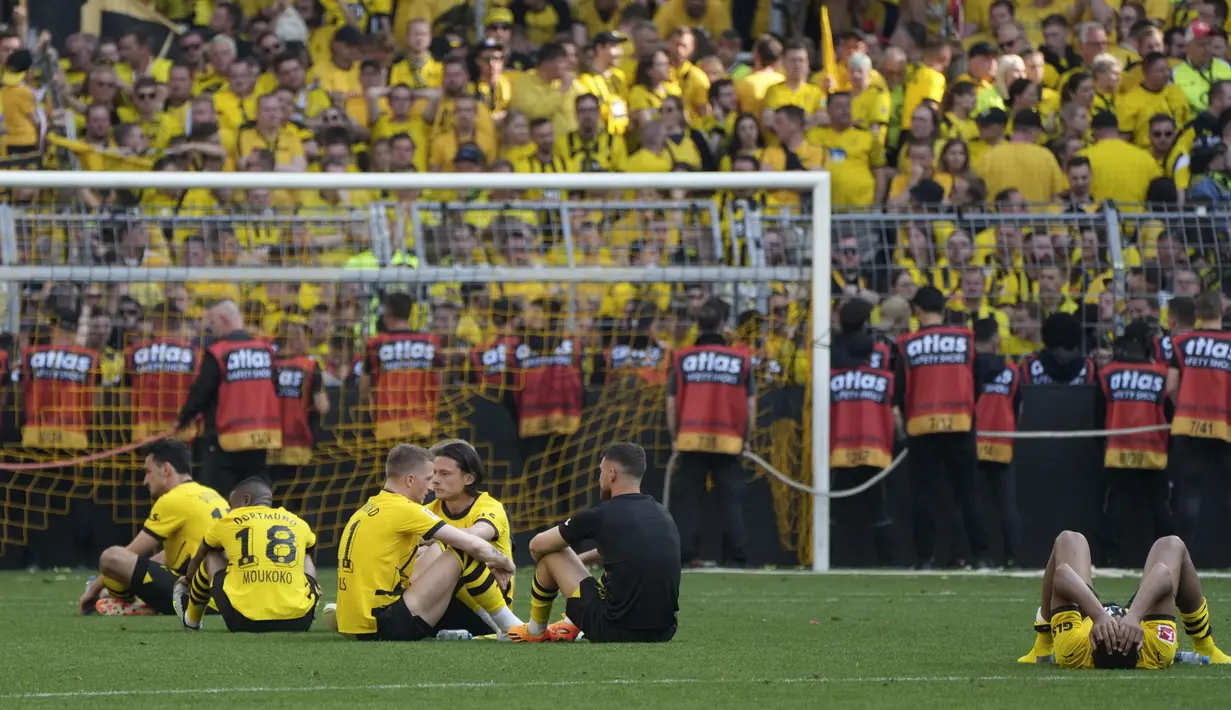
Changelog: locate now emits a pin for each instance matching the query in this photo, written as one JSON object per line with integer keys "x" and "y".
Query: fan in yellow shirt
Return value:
{"x": 794, "y": 89}
{"x": 856, "y": 157}
{"x": 1025, "y": 336}
{"x": 269, "y": 133}
{"x": 792, "y": 153}
{"x": 751, "y": 90}
{"x": 1122, "y": 171}
{"x": 1022, "y": 163}
{"x": 20, "y": 105}
{"x": 418, "y": 70}
{"x": 1156, "y": 95}
{"x": 927, "y": 81}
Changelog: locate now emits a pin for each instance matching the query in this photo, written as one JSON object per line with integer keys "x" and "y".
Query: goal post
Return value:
{"x": 12, "y": 270}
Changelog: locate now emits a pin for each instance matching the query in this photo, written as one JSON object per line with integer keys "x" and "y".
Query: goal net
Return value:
{"x": 615, "y": 271}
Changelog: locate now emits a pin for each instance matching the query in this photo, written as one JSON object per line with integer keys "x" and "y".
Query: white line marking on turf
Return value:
{"x": 1105, "y": 573}
{"x": 462, "y": 685}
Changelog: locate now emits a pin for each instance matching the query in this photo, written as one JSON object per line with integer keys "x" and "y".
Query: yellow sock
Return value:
{"x": 541, "y": 598}
{"x": 480, "y": 584}
{"x": 1043, "y": 645}
{"x": 198, "y": 596}
{"x": 118, "y": 590}
{"x": 1197, "y": 626}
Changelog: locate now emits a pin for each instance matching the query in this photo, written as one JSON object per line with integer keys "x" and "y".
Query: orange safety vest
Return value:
{"x": 294, "y": 388}
{"x": 711, "y": 398}
{"x": 994, "y": 412}
{"x": 404, "y": 368}
{"x": 940, "y": 381}
{"x": 249, "y": 416}
{"x": 1135, "y": 394}
{"x": 161, "y": 372}
{"x": 58, "y": 383}
{"x": 550, "y": 397}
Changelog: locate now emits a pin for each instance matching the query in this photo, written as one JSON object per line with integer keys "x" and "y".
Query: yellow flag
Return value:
{"x": 829, "y": 57}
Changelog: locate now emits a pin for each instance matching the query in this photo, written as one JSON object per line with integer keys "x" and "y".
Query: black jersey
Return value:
{"x": 640, "y": 546}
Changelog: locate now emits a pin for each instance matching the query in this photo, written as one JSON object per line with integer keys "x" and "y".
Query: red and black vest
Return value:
{"x": 404, "y": 370}
{"x": 940, "y": 381}
{"x": 491, "y": 362}
{"x": 1162, "y": 349}
{"x": 160, "y": 374}
{"x": 249, "y": 416}
{"x": 1033, "y": 373}
{"x": 711, "y": 398}
{"x": 649, "y": 363}
{"x": 1203, "y": 403}
{"x": 58, "y": 383}
{"x": 882, "y": 355}
{"x": 294, "y": 387}
{"x": 550, "y": 396}
{"x": 994, "y": 411}
{"x": 860, "y": 418}
{"x": 1135, "y": 394}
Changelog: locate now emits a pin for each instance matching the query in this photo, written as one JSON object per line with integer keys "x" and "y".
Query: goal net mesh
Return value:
{"x": 541, "y": 479}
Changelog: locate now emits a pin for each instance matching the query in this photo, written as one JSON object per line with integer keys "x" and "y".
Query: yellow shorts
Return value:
{"x": 1071, "y": 636}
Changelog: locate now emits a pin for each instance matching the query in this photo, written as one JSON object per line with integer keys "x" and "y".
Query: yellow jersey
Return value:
{"x": 265, "y": 548}
{"x": 180, "y": 518}
{"x": 377, "y": 549}
{"x": 489, "y": 511}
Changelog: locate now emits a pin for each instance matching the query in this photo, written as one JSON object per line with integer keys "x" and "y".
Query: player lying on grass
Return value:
{"x": 639, "y": 548}
{"x": 133, "y": 580}
{"x": 256, "y": 564}
{"x": 1084, "y": 634}
{"x": 458, "y": 472}
{"x": 376, "y": 599}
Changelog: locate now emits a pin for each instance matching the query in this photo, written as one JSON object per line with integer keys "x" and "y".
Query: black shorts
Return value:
{"x": 238, "y": 623}
{"x": 395, "y": 623}
{"x": 154, "y": 585}
{"x": 460, "y": 616}
{"x": 589, "y": 612}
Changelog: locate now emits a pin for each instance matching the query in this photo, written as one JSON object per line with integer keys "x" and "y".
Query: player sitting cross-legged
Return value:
{"x": 639, "y": 548}
{"x": 1085, "y": 634}
{"x": 133, "y": 580}
{"x": 256, "y": 564}
{"x": 377, "y": 599}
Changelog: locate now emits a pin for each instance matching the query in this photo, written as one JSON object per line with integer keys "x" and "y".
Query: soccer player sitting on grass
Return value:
{"x": 133, "y": 580}
{"x": 1084, "y": 634}
{"x": 479, "y": 606}
{"x": 256, "y": 564}
{"x": 377, "y": 599}
{"x": 639, "y": 548}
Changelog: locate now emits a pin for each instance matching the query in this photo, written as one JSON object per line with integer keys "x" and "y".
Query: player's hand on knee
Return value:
{"x": 502, "y": 578}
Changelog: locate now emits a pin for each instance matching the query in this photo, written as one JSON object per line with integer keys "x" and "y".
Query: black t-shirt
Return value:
{"x": 640, "y": 546}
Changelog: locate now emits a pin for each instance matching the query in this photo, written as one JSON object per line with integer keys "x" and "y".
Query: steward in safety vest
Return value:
{"x": 1181, "y": 318}
{"x": 550, "y": 395}
{"x": 1133, "y": 389}
{"x": 158, "y": 374}
{"x": 711, "y": 400}
{"x": 489, "y": 363}
{"x": 634, "y": 348}
{"x": 862, "y": 424}
{"x": 997, "y": 394}
{"x": 997, "y": 402}
{"x": 301, "y": 393}
{"x": 1060, "y": 362}
{"x": 1199, "y": 383}
{"x": 937, "y": 367}
{"x": 59, "y": 382}
{"x": 401, "y": 375}
{"x": 861, "y": 395}
{"x": 234, "y": 389}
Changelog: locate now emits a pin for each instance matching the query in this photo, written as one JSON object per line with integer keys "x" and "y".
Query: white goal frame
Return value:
{"x": 818, "y": 183}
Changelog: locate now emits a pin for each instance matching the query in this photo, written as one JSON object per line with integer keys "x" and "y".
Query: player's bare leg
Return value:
{"x": 1072, "y": 549}
{"x": 1187, "y": 596}
{"x": 557, "y": 572}
{"x": 428, "y": 597}
{"x": 490, "y": 607}
{"x": 192, "y": 596}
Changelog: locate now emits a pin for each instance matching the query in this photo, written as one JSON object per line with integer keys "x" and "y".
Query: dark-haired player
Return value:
{"x": 256, "y": 564}
{"x": 479, "y": 606}
{"x": 639, "y": 548}
{"x": 1085, "y": 634}
{"x": 138, "y": 581}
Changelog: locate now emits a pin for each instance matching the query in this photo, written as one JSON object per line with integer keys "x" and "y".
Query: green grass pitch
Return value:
{"x": 754, "y": 640}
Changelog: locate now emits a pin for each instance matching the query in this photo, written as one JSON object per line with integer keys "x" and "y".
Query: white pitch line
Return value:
{"x": 464, "y": 685}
